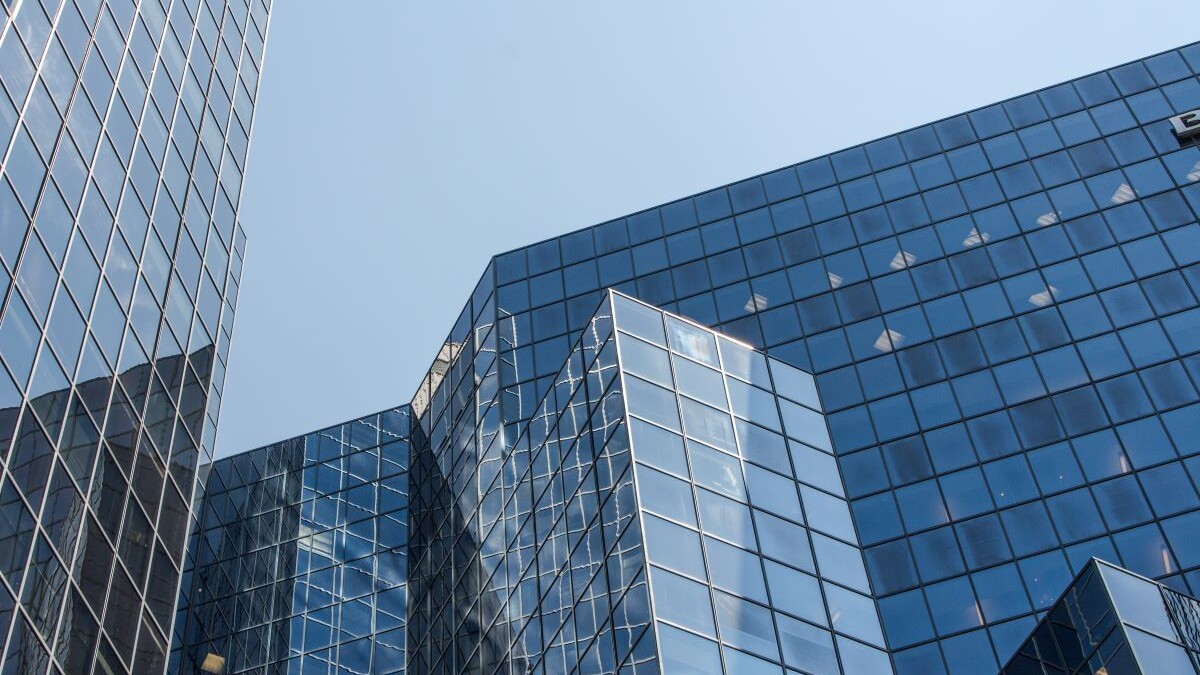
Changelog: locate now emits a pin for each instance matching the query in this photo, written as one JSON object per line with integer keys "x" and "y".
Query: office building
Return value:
{"x": 577, "y": 545}
{"x": 123, "y": 133}
{"x": 997, "y": 313}
{"x": 1000, "y": 309}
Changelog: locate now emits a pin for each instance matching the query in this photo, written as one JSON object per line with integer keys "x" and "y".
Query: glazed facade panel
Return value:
{"x": 753, "y": 559}
{"x": 526, "y": 550}
{"x": 670, "y": 506}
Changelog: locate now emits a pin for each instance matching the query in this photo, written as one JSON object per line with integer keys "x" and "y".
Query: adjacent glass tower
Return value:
{"x": 123, "y": 134}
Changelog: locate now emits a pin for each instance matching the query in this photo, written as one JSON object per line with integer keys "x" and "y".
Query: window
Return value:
{"x": 682, "y": 601}
{"x": 717, "y": 471}
{"x": 666, "y": 495}
{"x": 674, "y": 546}
{"x": 726, "y": 518}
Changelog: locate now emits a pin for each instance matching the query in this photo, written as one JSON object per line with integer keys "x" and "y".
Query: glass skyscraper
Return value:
{"x": 123, "y": 134}
{"x": 928, "y": 405}
{"x": 881, "y": 411}
{"x": 667, "y": 481}
{"x": 1000, "y": 309}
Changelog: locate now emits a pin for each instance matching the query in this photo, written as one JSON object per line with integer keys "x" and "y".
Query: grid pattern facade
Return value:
{"x": 300, "y": 556}
{"x": 750, "y": 540}
{"x": 528, "y": 557}
{"x": 549, "y": 553}
{"x": 1001, "y": 310}
{"x": 1112, "y": 621}
{"x": 123, "y": 134}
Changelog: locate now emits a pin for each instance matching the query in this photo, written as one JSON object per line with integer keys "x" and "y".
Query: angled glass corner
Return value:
{"x": 525, "y": 553}
{"x": 1112, "y": 621}
{"x": 751, "y": 554}
{"x": 669, "y": 505}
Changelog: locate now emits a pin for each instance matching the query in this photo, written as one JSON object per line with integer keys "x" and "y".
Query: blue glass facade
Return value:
{"x": 1000, "y": 309}
{"x": 123, "y": 134}
{"x": 742, "y": 511}
{"x": 1112, "y": 621}
{"x": 558, "y": 492}
{"x": 299, "y": 558}
{"x": 979, "y": 370}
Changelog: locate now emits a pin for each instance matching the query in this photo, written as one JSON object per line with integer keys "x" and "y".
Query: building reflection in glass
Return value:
{"x": 300, "y": 555}
{"x": 123, "y": 134}
{"x": 1112, "y": 621}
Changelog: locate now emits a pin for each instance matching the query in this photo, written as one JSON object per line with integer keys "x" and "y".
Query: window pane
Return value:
{"x": 700, "y": 382}
{"x": 805, "y": 425}
{"x": 674, "y": 546}
{"x": 652, "y": 402}
{"x": 639, "y": 319}
{"x": 807, "y": 647}
{"x": 827, "y": 513}
{"x": 692, "y": 342}
{"x": 726, "y": 518}
{"x": 646, "y": 360}
{"x": 753, "y": 404}
{"x": 735, "y": 570}
{"x": 681, "y": 601}
{"x": 796, "y": 593}
{"x": 709, "y": 425}
{"x": 853, "y": 614}
{"x": 746, "y": 625}
{"x": 743, "y": 362}
{"x": 688, "y": 654}
{"x": 666, "y": 495}
{"x": 775, "y": 493}
{"x": 717, "y": 470}
{"x": 658, "y": 447}
{"x": 840, "y": 562}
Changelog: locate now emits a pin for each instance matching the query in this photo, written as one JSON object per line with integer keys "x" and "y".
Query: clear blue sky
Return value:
{"x": 398, "y": 145}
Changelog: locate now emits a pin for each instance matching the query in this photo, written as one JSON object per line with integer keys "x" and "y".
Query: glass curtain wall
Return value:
{"x": 999, "y": 313}
{"x": 123, "y": 134}
{"x": 1000, "y": 309}
{"x": 300, "y": 557}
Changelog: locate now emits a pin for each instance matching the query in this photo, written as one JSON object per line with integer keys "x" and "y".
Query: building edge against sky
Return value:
{"x": 1000, "y": 310}
{"x": 1048, "y": 244}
